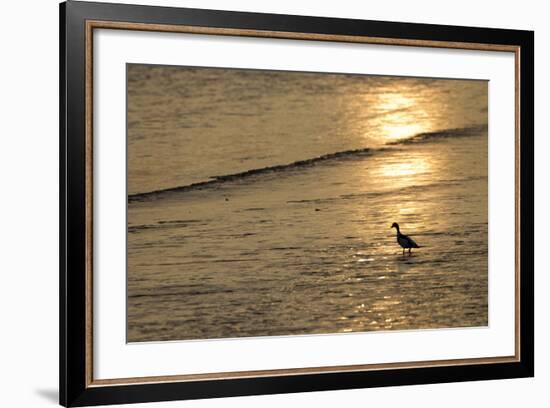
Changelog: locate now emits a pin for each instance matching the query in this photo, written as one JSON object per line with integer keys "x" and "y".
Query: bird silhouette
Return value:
{"x": 403, "y": 240}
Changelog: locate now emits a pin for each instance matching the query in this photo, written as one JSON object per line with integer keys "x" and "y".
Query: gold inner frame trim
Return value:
{"x": 99, "y": 24}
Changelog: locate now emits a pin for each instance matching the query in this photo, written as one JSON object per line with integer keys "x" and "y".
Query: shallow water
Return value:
{"x": 304, "y": 248}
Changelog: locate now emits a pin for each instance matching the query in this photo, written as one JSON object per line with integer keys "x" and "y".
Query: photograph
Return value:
{"x": 283, "y": 203}
{"x": 259, "y": 203}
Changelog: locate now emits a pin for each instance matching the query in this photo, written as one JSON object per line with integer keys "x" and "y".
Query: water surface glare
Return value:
{"x": 260, "y": 203}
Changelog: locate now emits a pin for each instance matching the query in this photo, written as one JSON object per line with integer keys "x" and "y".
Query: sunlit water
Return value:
{"x": 303, "y": 248}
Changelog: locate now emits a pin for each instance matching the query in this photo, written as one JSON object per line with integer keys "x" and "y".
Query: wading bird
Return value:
{"x": 403, "y": 240}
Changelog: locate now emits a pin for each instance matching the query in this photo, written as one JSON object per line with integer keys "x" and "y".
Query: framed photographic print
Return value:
{"x": 256, "y": 203}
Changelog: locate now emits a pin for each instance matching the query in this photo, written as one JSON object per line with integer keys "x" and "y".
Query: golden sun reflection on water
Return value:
{"x": 414, "y": 166}
{"x": 411, "y": 172}
{"x": 408, "y": 170}
{"x": 396, "y": 131}
{"x": 382, "y": 314}
{"x": 402, "y": 114}
{"x": 399, "y": 170}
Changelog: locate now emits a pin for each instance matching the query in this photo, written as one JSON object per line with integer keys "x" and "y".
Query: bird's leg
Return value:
{"x": 409, "y": 252}
{"x": 403, "y": 251}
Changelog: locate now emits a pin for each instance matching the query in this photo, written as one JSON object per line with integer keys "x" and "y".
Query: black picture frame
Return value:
{"x": 75, "y": 389}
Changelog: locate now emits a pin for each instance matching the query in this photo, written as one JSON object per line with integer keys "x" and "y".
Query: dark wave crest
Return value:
{"x": 338, "y": 156}
{"x": 442, "y": 134}
{"x": 216, "y": 180}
